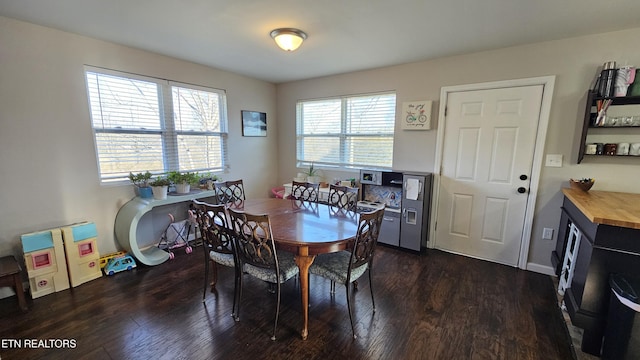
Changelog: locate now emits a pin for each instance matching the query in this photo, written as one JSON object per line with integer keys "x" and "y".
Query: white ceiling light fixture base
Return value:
{"x": 288, "y": 39}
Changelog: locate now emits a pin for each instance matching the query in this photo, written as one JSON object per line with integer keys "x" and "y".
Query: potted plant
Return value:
{"x": 140, "y": 182}
{"x": 159, "y": 186}
{"x": 207, "y": 179}
{"x": 183, "y": 181}
{"x": 313, "y": 175}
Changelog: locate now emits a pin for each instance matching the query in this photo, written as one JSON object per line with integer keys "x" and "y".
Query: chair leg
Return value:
{"x": 275, "y": 324}
{"x": 237, "y": 317}
{"x": 236, "y": 286}
{"x": 206, "y": 275}
{"x": 271, "y": 288}
{"x": 214, "y": 281}
{"x": 333, "y": 288}
{"x": 349, "y": 307}
{"x": 373, "y": 302}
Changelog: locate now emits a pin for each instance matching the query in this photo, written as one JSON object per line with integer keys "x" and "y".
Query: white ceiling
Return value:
{"x": 344, "y": 35}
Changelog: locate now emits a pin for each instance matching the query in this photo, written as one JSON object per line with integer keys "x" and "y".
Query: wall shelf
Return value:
{"x": 590, "y": 114}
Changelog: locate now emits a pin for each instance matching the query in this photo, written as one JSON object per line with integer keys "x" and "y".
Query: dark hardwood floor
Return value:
{"x": 433, "y": 306}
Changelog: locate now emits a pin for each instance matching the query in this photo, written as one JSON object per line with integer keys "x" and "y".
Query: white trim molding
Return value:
{"x": 548, "y": 83}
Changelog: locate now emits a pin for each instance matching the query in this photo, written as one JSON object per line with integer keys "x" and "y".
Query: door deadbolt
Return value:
{"x": 523, "y": 177}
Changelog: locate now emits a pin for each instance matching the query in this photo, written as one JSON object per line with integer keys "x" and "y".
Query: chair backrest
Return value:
{"x": 366, "y": 238}
{"x": 214, "y": 228}
{"x": 305, "y": 191}
{"x": 343, "y": 197}
{"x": 253, "y": 241}
{"x": 231, "y": 191}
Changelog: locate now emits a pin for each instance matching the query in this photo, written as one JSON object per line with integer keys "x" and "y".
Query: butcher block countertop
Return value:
{"x": 607, "y": 207}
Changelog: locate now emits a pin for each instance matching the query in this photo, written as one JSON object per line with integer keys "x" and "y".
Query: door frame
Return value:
{"x": 548, "y": 83}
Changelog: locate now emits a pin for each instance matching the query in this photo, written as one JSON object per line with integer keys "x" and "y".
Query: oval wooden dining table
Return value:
{"x": 305, "y": 229}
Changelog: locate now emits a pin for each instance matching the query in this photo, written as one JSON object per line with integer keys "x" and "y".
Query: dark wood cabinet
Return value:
{"x": 603, "y": 249}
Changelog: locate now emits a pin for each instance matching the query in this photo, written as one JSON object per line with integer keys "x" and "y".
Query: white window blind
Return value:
{"x": 346, "y": 132}
{"x": 146, "y": 124}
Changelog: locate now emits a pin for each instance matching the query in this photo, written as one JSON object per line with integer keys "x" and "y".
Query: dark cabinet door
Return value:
{"x": 390, "y": 229}
{"x": 416, "y": 198}
{"x": 603, "y": 250}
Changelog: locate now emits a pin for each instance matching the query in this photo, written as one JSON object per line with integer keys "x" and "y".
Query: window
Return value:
{"x": 346, "y": 132}
{"x": 146, "y": 124}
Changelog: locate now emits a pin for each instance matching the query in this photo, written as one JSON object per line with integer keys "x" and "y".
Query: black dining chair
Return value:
{"x": 257, "y": 254}
{"x": 305, "y": 191}
{"x": 217, "y": 242}
{"x": 343, "y": 197}
{"x": 345, "y": 267}
{"x": 230, "y": 191}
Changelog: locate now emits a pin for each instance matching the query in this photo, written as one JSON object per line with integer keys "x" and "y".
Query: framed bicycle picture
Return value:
{"x": 416, "y": 115}
{"x": 254, "y": 123}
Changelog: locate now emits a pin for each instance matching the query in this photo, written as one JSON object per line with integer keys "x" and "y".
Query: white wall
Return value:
{"x": 574, "y": 62}
{"x": 48, "y": 170}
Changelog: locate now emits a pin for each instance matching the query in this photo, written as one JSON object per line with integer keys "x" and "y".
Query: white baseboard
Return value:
{"x": 542, "y": 269}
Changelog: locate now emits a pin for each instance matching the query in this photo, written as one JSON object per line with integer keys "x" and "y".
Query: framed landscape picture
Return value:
{"x": 254, "y": 123}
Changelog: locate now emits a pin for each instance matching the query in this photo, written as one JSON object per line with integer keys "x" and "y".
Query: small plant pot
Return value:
{"x": 159, "y": 192}
{"x": 183, "y": 188}
{"x": 145, "y": 192}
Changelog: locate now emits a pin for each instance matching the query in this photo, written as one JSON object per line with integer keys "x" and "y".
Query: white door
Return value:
{"x": 489, "y": 142}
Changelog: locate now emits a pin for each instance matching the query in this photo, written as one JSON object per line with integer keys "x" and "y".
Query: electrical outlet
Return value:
{"x": 547, "y": 233}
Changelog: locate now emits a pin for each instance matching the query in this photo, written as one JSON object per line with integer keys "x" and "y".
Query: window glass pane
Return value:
{"x": 119, "y": 154}
{"x": 321, "y": 117}
{"x": 123, "y": 103}
{"x": 373, "y": 114}
{"x": 200, "y": 152}
{"x": 320, "y": 149}
{"x": 369, "y": 151}
{"x": 361, "y": 129}
{"x": 196, "y": 110}
{"x": 145, "y": 124}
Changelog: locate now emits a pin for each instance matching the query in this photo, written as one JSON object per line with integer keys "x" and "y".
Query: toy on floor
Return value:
{"x": 176, "y": 235}
{"x": 105, "y": 258}
{"x": 119, "y": 263}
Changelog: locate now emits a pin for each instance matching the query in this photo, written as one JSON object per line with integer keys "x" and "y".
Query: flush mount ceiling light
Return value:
{"x": 288, "y": 39}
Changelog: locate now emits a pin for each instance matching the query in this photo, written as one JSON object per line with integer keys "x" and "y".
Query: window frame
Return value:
{"x": 167, "y": 130}
{"x": 343, "y": 135}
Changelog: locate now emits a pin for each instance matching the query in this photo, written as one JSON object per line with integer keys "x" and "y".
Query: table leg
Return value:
{"x": 20, "y": 292}
{"x": 303, "y": 262}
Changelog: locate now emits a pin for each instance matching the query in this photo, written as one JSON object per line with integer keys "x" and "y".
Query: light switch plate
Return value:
{"x": 553, "y": 160}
